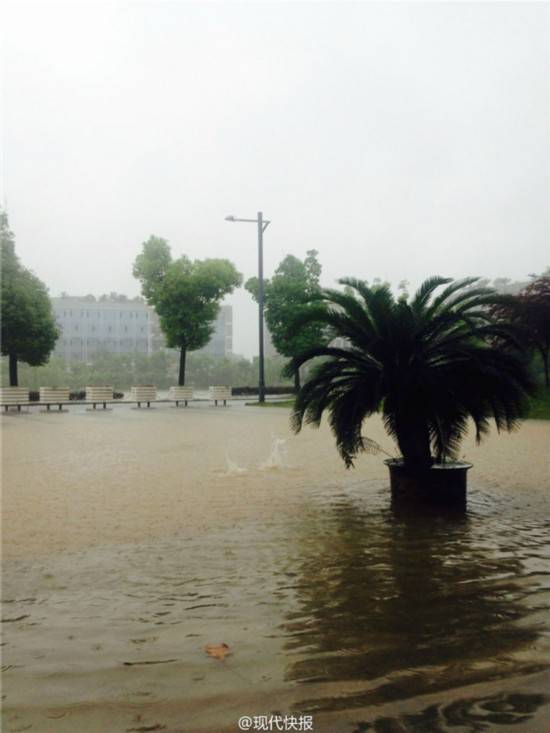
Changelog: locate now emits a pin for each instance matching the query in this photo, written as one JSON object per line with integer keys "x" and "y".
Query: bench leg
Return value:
{"x": 186, "y": 403}
{"x": 59, "y": 406}
{"x": 48, "y": 408}
{"x": 18, "y": 408}
{"x": 104, "y": 405}
{"x": 148, "y": 404}
{"x": 94, "y": 405}
{"x": 177, "y": 404}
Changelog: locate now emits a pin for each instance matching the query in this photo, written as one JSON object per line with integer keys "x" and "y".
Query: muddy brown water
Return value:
{"x": 132, "y": 539}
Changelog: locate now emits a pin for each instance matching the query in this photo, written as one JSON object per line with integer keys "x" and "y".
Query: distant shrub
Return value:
{"x": 78, "y": 396}
{"x": 268, "y": 390}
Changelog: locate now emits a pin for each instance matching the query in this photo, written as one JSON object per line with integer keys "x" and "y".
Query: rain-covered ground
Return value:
{"x": 133, "y": 538}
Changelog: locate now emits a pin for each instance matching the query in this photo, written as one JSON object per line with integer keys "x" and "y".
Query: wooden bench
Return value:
{"x": 55, "y": 396}
{"x": 143, "y": 393}
{"x": 180, "y": 394}
{"x": 11, "y": 396}
{"x": 220, "y": 394}
{"x": 99, "y": 394}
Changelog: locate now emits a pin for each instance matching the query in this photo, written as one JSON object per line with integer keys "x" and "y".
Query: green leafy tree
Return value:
{"x": 293, "y": 291}
{"x": 428, "y": 363}
{"x": 29, "y": 331}
{"x": 186, "y": 294}
{"x": 530, "y": 309}
{"x": 535, "y": 313}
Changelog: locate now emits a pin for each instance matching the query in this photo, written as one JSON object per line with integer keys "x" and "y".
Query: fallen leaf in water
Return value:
{"x": 218, "y": 651}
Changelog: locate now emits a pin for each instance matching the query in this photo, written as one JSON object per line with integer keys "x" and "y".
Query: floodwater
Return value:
{"x": 133, "y": 538}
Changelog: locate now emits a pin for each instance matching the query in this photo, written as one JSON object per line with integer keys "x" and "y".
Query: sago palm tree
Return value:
{"x": 428, "y": 363}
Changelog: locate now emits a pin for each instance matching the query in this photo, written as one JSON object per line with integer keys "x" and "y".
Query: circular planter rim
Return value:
{"x": 448, "y": 466}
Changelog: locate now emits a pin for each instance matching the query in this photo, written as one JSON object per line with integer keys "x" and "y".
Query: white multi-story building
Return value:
{"x": 221, "y": 343}
{"x": 91, "y": 326}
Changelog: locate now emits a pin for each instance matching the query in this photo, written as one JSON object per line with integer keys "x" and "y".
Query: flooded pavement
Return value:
{"x": 132, "y": 539}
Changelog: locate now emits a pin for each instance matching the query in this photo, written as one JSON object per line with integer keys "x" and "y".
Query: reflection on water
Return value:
{"x": 338, "y": 609}
{"x": 471, "y": 714}
{"x": 414, "y": 604}
{"x": 421, "y": 583}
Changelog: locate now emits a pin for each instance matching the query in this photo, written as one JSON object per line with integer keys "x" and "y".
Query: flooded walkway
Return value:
{"x": 132, "y": 539}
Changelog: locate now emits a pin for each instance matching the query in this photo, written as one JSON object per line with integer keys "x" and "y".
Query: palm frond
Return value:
{"x": 425, "y": 291}
{"x": 429, "y": 366}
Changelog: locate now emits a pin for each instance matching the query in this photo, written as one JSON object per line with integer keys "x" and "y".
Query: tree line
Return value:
{"x": 186, "y": 294}
{"x": 161, "y": 369}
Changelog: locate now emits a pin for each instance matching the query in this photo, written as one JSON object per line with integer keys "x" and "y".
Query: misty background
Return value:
{"x": 399, "y": 140}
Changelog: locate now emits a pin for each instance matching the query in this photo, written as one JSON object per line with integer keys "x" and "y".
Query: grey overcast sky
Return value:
{"x": 399, "y": 140}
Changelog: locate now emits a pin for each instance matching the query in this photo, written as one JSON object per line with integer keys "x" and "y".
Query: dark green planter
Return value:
{"x": 443, "y": 484}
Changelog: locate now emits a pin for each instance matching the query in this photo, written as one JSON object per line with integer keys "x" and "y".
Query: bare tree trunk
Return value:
{"x": 297, "y": 382}
{"x": 13, "y": 371}
{"x": 183, "y": 354}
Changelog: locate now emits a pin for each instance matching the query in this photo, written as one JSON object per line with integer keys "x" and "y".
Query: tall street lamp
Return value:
{"x": 262, "y": 226}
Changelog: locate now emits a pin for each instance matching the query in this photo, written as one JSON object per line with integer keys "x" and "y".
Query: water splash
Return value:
{"x": 278, "y": 456}
{"x": 233, "y": 468}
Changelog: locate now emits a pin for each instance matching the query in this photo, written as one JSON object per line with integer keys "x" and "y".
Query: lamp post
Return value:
{"x": 262, "y": 226}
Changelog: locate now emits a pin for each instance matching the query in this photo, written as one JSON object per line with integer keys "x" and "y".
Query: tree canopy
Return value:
{"x": 186, "y": 294}
{"x": 530, "y": 309}
{"x": 293, "y": 291}
{"x": 29, "y": 331}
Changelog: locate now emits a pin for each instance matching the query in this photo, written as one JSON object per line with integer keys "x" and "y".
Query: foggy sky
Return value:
{"x": 400, "y": 140}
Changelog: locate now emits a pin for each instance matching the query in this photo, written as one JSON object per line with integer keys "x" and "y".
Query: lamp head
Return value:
{"x": 230, "y": 218}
